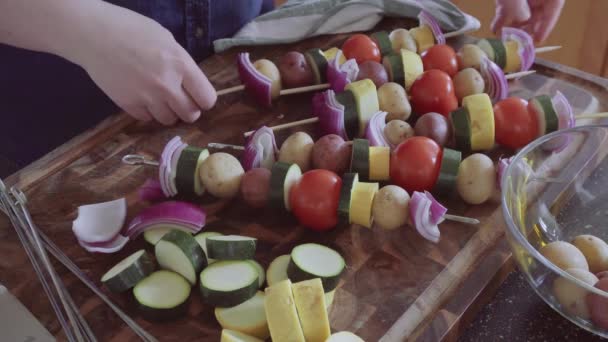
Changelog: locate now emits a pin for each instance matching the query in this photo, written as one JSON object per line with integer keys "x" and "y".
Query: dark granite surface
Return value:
{"x": 516, "y": 313}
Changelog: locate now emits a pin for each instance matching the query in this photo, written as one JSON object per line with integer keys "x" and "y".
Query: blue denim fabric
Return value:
{"x": 46, "y": 100}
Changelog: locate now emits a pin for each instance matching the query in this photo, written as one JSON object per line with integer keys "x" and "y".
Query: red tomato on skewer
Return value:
{"x": 440, "y": 57}
{"x": 362, "y": 48}
{"x": 433, "y": 91}
{"x": 516, "y": 126}
{"x": 415, "y": 164}
{"x": 314, "y": 199}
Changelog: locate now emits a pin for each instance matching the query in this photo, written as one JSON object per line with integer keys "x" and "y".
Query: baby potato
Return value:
{"x": 297, "y": 149}
{"x": 396, "y": 131}
{"x": 268, "y": 69}
{"x": 221, "y": 175}
{"x": 331, "y": 153}
{"x": 295, "y": 70}
{"x": 571, "y": 296}
{"x": 564, "y": 255}
{"x": 598, "y": 305}
{"x": 255, "y": 187}
{"x": 392, "y": 99}
{"x": 390, "y": 207}
{"x": 470, "y": 56}
{"x": 595, "y": 251}
{"x": 476, "y": 178}
{"x": 468, "y": 82}
{"x": 402, "y": 39}
{"x": 434, "y": 126}
{"x": 374, "y": 71}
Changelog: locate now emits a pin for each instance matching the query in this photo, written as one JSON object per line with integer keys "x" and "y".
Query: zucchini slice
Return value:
{"x": 462, "y": 129}
{"x": 311, "y": 260}
{"x": 235, "y": 336}
{"x": 248, "y": 317}
{"x": 261, "y": 272}
{"x": 359, "y": 162}
{"x": 201, "y": 238}
{"x": 351, "y": 120}
{"x": 228, "y": 283}
{"x": 128, "y": 272}
{"x": 281, "y": 313}
{"x": 187, "y": 180}
{"x": 231, "y": 247}
{"x": 495, "y": 50}
{"x": 277, "y": 270}
{"x": 361, "y": 203}
{"x": 310, "y": 303}
{"x": 394, "y": 67}
{"x": 163, "y": 295}
{"x": 383, "y": 41}
{"x": 379, "y": 163}
{"x": 450, "y": 162}
{"x": 348, "y": 184}
{"x": 152, "y": 236}
{"x": 179, "y": 252}
{"x": 318, "y": 64}
{"x": 548, "y": 121}
{"x": 282, "y": 177}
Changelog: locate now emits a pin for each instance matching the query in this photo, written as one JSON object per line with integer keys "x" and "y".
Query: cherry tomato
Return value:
{"x": 516, "y": 126}
{"x": 362, "y": 48}
{"x": 415, "y": 164}
{"x": 433, "y": 91}
{"x": 441, "y": 57}
{"x": 314, "y": 199}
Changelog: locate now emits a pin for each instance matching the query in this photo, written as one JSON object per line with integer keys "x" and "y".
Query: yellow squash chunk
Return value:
{"x": 412, "y": 66}
{"x": 424, "y": 37}
{"x": 379, "y": 163}
{"x": 248, "y": 317}
{"x": 513, "y": 58}
{"x": 361, "y": 203}
{"x": 277, "y": 270}
{"x": 481, "y": 116}
{"x": 331, "y": 54}
{"x": 235, "y": 336}
{"x": 366, "y": 98}
{"x": 310, "y": 303}
{"x": 281, "y": 313}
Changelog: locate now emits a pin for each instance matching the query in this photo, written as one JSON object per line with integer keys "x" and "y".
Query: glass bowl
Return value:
{"x": 551, "y": 195}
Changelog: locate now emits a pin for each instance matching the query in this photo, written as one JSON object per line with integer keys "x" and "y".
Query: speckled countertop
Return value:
{"x": 516, "y": 313}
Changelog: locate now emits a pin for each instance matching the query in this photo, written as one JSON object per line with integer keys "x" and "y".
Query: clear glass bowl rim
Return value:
{"x": 512, "y": 227}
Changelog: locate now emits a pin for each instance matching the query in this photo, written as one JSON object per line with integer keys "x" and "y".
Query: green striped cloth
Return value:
{"x": 300, "y": 19}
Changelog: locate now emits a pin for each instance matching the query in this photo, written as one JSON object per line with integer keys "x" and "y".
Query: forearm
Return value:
{"x": 56, "y": 26}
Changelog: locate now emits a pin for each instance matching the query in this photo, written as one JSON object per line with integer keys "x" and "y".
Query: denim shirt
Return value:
{"x": 45, "y": 100}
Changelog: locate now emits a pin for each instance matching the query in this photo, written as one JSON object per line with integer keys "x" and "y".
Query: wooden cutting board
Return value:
{"x": 397, "y": 285}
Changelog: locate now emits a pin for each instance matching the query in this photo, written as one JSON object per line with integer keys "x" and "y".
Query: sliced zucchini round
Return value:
{"x": 261, "y": 272}
{"x": 179, "y": 252}
{"x": 548, "y": 121}
{"x": 162, "y": 295}
{"x": 311, "y": 260}
{"x": 348, "y": 184}
{"x": 231, "y": 247}
{"x": 359, "y": 162}
{"x": 248, "y": 317}
{"x": 282, "y": 177}
{"x": 201, "y": 238}
{"x": 277, "y": 270}
{"x": 318, "y": 63}
{"x": 495, "y": 50}
{"x": 128, "y": 272}
{"x": 187, "y": 180}
{"x": 351, "y": 118}
{"x": 228, "y": 283}
{"x": 383, "y": 41}
{"x": 450, "y": 163}
{"x": 393, "y": 63}
{"x": 153, "y": 235}
{"x": 462, "y": 129}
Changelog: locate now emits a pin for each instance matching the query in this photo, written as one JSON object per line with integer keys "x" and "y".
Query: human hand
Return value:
{"x": 537, "y": 17}
{"x": 141, "y": 67}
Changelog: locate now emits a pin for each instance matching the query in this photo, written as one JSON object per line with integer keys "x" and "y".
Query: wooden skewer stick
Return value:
{"x": 230, "y": 90}
{"x": 283, "y": 92}
{"x": 520, "y": 74}
{"x": 592, "y": 116}
{"x": 221, "y": 146}
{"x": 547, "y": 48}
{"x": 288, "y": 125}
{"x": 461, "y": 219}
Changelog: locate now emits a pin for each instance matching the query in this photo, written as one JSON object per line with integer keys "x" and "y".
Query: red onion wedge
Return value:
{"x": 338, "y": 75}
{"x": 260, "y": 150}
{"x": 184, "y": 215}
{"x": 258, "y": 85}
{"x": 496, "y": 83}
{"x": 525, "y": 42}
{"x": 107, "y": 247}
{"x": 151, "y": 191}
{"x": 375, "y": 130}
{"x": 426, "y": 213}
{"x": 427, "y": 19}
{"x": 164, "y": 169}
{"x": 330, "y": 113}
{"x": 100, "y": 222}
{"x": 566, "y": 120}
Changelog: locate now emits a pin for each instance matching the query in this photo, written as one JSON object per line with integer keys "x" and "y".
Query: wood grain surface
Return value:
{"x": 397, "y": 285}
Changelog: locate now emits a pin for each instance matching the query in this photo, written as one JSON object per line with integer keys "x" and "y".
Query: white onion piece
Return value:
{"x": 374, "y": 132}
{"x": 526, "y": 49}
{"x": 260, "y": 150}
{"x": 420, "y": 214}
{"x": 100, "y": 222}
{"x": 111, "y": 246}
{"x": 497, "y": 86}
{"x": 438, "y": 211}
